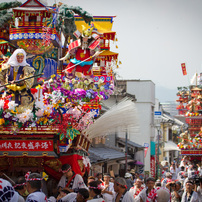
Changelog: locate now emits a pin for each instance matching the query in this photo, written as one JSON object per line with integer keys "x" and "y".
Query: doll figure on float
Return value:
{"x": 84, "y": 50}
{"x": 13, "y": 71}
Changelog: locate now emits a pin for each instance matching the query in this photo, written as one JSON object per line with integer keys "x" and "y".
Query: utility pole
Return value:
{"x": 158, "y": 130}
{"x": 157, "y": 125}
{"x": 126, "y": 151}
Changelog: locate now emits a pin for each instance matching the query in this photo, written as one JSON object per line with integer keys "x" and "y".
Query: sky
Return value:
{"x": 154, "y": 38}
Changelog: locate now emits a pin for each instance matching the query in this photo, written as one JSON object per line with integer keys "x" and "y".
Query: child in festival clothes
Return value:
{"x": 70, "y": 181}
{"x": 137, "y": 188}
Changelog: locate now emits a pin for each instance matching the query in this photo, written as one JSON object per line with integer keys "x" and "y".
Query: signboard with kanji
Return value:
{"x": 28, "y": 145}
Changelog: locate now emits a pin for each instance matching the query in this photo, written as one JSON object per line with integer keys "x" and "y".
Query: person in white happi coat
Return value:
{"x": 120, "y": 188}
{"x": 70, "y": 181}
{"x": 137, "y": 188}
{"x": 143, "y": 195}
{"x": 7, "y": 192}
{"x": 159, "y": 194}
{"x": 34, "y": 186}
{"x": 189, "y": 195}
{"x": 107, "y": 189}
{"x": 81, "y": 196}
{"x": 95, "y": 190}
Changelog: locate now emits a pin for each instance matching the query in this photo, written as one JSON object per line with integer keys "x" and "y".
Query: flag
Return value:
{"x": 195, "y": 80}
{"x": 184, "y": 71}
{"x": 145, "y": 151}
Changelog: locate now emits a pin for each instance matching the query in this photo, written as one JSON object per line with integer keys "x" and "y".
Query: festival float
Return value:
{"x": 190, "y": 107}
{"x": 69, "y": 83}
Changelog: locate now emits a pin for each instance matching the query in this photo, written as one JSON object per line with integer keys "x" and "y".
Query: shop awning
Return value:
{"x": 170, "y": 146}
{"x": 103, "y": 154}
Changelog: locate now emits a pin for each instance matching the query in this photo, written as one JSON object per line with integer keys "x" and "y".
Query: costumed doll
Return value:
{"x": 15, "y": 69}
{"x": 83, "y": 50}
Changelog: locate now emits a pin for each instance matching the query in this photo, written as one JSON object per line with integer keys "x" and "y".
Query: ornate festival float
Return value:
{"x": 190, "y": 107}
{"x": 43, "y": 119}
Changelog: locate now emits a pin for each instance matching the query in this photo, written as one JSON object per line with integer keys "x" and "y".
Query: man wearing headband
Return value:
{"x": 95, "y": 190}
{"x": 34, "y": 186}
{"x": 120, "y": 188}
{"x": 189, "y": 194}
{"x": 20, "y": 187}
{"x": 70, "y": 181}
{"x": 15, "y": 69}
{"x": 107, "y": 188}
{"x": 137, "y": 188}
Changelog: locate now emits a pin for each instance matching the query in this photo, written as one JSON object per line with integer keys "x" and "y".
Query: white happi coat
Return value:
{"x": 128, "y": 197}
{"x": 106, "y": 196}
{"x": 96, "y": 200}
{"x": 71, "y": 197}
{"x": 77, "y": 184}
{"x": 7, "y": 192}
{"x": 37, "y": 196}
{"x": 194, "y": 197}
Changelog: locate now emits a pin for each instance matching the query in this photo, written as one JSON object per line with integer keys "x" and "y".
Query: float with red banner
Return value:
{"x": 190, "y": 109}
{"x": 42, "y": 121}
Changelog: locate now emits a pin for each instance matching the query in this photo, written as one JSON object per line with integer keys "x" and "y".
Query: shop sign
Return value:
{"x": 26, "y": 145}
{"x": 152, "y": 166}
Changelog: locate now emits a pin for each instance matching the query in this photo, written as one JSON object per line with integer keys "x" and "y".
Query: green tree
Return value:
{"x": 5, "y": 12}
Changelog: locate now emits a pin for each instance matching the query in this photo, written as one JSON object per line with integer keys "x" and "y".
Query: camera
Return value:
{"x": 172, "y": 184}
{"x": 196, "y": 180}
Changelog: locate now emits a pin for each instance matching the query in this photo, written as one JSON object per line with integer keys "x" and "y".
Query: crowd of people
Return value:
{"x": 185, "y": 186}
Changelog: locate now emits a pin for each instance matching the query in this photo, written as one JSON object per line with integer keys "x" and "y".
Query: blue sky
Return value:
{"x": 154, "y": 38}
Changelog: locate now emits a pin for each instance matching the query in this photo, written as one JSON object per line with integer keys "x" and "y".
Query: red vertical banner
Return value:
{"x": 152, "y": 166}
{"x": 145, "y": 151}
{"x": 184, "y": 71}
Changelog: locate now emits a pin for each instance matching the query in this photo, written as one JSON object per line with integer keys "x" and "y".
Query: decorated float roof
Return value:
{"x": 196, "y": 89}
{"x": 107, "y": 55}
{"x": 31, "y": 5}
{"x": 103, "y": 24}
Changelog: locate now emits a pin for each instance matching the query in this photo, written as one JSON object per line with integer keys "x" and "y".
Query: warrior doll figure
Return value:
{"x": 15, "y": 69}
{"x": 84, "y": 50}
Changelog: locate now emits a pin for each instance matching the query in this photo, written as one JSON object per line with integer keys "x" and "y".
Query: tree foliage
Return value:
{"x": 66, "y": 20}
{"x": 8, "y": 5}
{"x": 5, "y": 14}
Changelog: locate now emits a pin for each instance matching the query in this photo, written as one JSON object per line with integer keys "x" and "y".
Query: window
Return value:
{"x": 170, "y": 134}
{"x": 32, "y": 19}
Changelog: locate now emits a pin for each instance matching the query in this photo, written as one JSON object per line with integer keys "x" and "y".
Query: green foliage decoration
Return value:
{"x": 5, "y": 13}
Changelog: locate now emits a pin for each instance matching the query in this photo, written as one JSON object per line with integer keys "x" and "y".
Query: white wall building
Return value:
{"x": 144, "y": 93}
